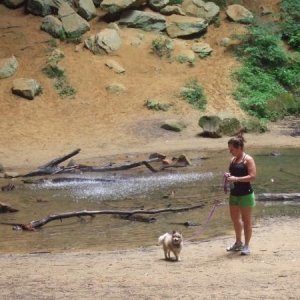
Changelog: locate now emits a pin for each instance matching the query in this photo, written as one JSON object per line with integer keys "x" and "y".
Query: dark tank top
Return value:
{"x": 240, "y": 170}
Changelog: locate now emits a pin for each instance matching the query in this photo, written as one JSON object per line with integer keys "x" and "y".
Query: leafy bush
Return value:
{"x": 193, "y": 94}
{"x": 162, "y": 47}
{"x": 268, "y": 75}
{"x": 291, "y": 22}
{"x": 255, "y": 125}
{"x": 155, "y": 105}
{"x": 53, "y": 71}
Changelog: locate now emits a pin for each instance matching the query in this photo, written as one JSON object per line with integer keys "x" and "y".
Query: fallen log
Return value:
{"x": 91, "y": 213}
{"x": 278, "y": 197}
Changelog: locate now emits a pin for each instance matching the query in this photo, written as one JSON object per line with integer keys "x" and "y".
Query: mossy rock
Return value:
{"x": 229, "y": 126}
{"x": 211, "y": 126}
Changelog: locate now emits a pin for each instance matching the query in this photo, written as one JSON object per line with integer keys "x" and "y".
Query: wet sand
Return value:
{"x": 206, "y": 271}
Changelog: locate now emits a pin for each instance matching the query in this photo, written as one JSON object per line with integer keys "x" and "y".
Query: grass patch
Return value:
{"x": 162, "y": 47}
{"x": 193, "y": 94}
{"x": 157, "y": 106}
{"x": 53, "y": 71}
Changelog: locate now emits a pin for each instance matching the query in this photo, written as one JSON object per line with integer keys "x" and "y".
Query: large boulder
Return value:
{"x": 211, "y": 126}
{"x": 53, "y": 26}
{"x": 73, "y": 24}
{"x": 239, "y": 13}
{"x": 13, "y": 3}
{"x": 186, "y": 28}
{"x": 115, "y": 6}
{"x": 158, "y": 4}
{"x": 172, "y": 10}
{"x": 26, "y": 88}
{"x": 86, "y": 9}
{"x": 147, "y": 21}
{"x": 8, "y": 66}
{"x": 201, "y": 9}
{"x": 104, "y": 42}
{"x": 230, "y": 126}
{"x": 173, "y": 125}
{"x": 40, "y": 7}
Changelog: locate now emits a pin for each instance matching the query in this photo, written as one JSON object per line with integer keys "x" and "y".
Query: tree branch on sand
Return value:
{"x": 53, "y": 168}
{"x": 33, "y": 225}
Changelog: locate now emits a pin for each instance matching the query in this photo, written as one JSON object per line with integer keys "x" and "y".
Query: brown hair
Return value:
{"x": 237, "y": 141}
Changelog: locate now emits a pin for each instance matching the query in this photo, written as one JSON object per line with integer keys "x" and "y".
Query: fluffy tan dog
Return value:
{"x": 172, "y": 242}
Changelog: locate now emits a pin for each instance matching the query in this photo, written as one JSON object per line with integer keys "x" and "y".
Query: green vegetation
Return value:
{"x": 162, "y": 47}
{"x": 157, "y": 106}
{"x": 61, "y": 83}
{"x": 290, "y": 24}
{"x": 175, "y": 2}
{"x": 255, "y": 125}
{"x": 53, "y": 71}
{"x": 193, "y": 94}
{"x": 269, "y": 80}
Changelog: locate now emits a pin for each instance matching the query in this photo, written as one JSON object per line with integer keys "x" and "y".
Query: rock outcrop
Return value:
{"x": 186, "y": 28}
{"x": 239, "y": 13}
{"x": 116, "y": 6}
{"x": 201, "y": 9}
{"x": 147, "y": 21}
{"x": 26, "y": 88}
{"x": 8, "y": 67}
{"x": 104, "y": 42}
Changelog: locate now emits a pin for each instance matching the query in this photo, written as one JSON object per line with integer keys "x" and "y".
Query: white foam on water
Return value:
{"x": 119, "y": 188}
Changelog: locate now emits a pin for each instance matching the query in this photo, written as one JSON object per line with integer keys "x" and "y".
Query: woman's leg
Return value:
{"x": 246, "y": 213}
{"x": 235, "y": 213}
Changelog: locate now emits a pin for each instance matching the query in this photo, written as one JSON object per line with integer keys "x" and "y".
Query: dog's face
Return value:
{"x": 176, "y": 238}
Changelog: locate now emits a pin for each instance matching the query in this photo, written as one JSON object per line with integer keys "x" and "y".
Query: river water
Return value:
{"x": 199, "y": 183}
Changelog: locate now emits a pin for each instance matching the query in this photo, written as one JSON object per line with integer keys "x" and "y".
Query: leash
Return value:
{"x": 198, "y": 232}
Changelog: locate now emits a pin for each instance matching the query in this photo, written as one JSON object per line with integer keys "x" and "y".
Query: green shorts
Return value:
{"x": 243, "y": 201}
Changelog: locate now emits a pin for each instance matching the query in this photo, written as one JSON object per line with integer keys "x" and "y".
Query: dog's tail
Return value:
{"x": 161, "y": 238}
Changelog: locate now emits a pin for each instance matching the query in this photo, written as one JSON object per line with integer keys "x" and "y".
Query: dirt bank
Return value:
{"x": 205, "y": 272}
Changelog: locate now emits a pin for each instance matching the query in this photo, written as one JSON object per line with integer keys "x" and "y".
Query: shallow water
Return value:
{"x": 200, "y": 183}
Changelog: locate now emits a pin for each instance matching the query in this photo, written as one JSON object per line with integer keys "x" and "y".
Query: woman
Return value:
{"x": 242, "y": 171}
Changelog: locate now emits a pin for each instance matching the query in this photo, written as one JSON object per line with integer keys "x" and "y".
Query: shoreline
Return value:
{"x": 206, "y": 271}
{"x": 89, "y": 154}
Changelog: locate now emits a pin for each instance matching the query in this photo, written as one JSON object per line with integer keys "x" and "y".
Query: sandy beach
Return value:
{"x": 206, "y": 271}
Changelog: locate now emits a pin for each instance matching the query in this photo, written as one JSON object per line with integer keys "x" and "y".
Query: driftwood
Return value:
{"x": 6, "y": 208}
{"x": 91, "y": 213}
{"x": 65, "y": 179}
{"x": 52, "y": 166}
{"x": 278, "y": 197}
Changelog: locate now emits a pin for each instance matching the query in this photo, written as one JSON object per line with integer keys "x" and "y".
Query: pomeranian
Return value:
{"x": 172, "y": 242}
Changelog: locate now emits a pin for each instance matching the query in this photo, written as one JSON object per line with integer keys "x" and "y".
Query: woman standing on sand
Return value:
{"x": 242, "y": 171}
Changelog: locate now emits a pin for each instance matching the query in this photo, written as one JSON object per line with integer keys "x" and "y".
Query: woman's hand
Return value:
{"x": 232, "y": 179}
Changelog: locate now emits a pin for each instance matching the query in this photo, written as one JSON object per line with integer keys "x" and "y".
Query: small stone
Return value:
{"x": 239, "y": 13}
{"x": 173, "y": 125}
{"x": 115, "y": 66}
{"x": 172, "y": 10}
{"x": 202, "y": 49}
{"x": 114, "y": 26}
{"x": 115, "y": 88}
{"x": 158, "y": 4}
{"x": 53, "y": 26}
{"x": 86, "y": 9}
{"x": 225, "y": 42}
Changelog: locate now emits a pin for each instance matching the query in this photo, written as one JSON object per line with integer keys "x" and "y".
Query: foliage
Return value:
{"x": 157, "y": 106}
{"x": 255, "y": 125}
{"x": 53, "y": 43}
{"x": 270, "y": 76}
{"x": 53, "y": 71}
{"x": 64, "y": 88}
{"x": 184, "y": 59}
{"x": 175, "y": 2}
{"x": 162, "y": 47}
{"x": 39, "y": 90}
{"x": 291, "y": 22}
{"x": 193, "y": 94}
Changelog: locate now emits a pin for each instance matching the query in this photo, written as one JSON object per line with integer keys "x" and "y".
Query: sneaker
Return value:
{"x": 245, "y": 250}
{"x": 237, "y": 246}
